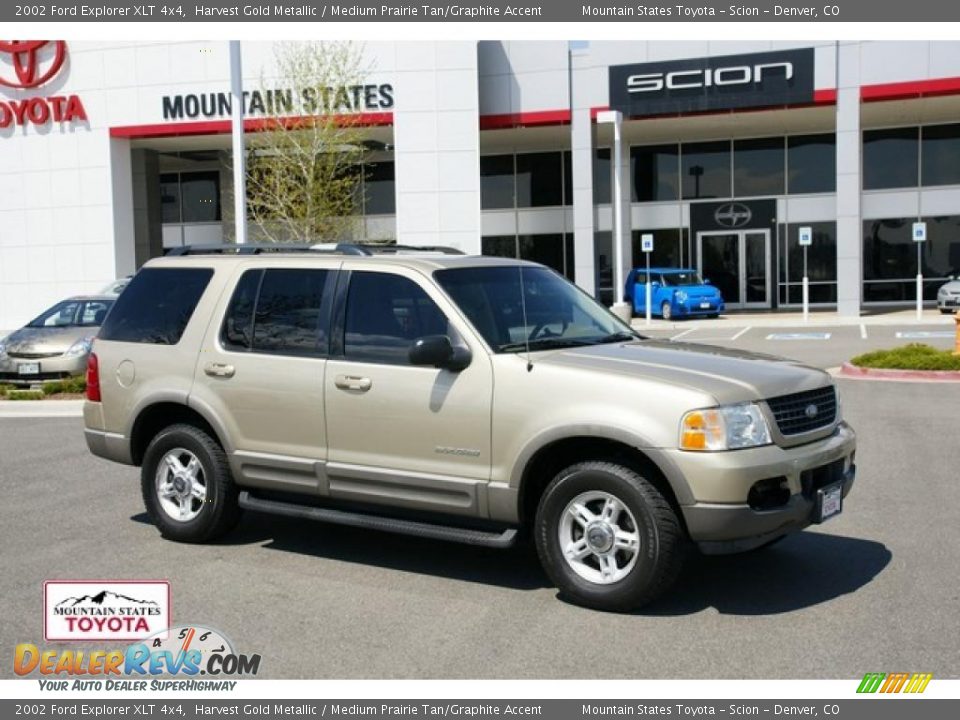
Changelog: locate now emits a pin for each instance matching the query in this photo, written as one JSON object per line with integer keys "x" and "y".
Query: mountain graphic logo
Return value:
{"x": 104, "y": 597}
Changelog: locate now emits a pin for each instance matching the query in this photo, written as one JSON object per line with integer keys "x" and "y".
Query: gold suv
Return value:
{"x": 457, "y": 398}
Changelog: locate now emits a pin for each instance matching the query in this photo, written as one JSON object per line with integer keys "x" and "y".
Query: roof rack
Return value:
{"x": 329, "y": 248}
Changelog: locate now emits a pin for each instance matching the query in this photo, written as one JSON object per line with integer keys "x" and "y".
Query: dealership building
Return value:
{"x": 111, "y": 153}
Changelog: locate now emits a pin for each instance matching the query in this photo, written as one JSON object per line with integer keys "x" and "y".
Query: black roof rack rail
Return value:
{"x": 262, "y": 248}
{"x": 332, "y": 248}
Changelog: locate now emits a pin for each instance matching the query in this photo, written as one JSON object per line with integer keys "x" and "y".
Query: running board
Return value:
{"x": 466, "y": 536}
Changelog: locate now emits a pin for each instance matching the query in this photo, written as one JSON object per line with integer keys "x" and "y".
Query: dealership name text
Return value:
{"x": 41, "y": 110}
{"x": 283, "y": 101}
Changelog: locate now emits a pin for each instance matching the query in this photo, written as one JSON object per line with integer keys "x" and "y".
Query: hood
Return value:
{"x": 46, "y": 340}
{"x": 728, "y": 375}
{"x": 952, "y": 287}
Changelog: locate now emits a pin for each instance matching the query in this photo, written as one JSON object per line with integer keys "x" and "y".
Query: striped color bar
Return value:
{"x": 894, "y": 682}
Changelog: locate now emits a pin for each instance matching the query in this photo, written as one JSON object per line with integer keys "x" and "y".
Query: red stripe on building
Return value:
{"x": 912, "y": 89}
{"x": 525, "y": 119}
{"x": 223, "y": 127}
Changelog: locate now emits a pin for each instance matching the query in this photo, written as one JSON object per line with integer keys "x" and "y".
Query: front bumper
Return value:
{"x": 692, "y": 307}
{"x": 719, "y": 517}
{"x": 949, "y": 302}
{"x": 51, "y": 368}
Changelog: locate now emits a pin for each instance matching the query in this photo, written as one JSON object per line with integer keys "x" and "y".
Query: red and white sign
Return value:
{"x": 88, "y": 610}
{"x": 27, "y": 65}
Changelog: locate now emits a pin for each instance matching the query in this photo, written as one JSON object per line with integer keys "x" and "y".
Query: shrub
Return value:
{"x": 915, "y": 356}
{"x": 72, "y": 385}
{"x": 25, "y": 395}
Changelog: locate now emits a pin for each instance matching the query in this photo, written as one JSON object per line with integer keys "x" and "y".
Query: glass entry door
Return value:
{"x": 738, "y": 264}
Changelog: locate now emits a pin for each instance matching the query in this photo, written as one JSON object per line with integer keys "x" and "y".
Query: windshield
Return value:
{"x": 681, "y": 278}
{"x": 73, "y": 313}
{"x": 550, "y": 312}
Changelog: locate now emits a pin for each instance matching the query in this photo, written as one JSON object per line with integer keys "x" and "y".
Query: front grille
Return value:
{"x": 33, "y": 356}
{"x": 791, "y": 411}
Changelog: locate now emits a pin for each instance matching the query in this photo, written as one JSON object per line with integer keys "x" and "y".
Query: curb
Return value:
{"x": 860, "y": 373}
{"x": 41, "y": 408}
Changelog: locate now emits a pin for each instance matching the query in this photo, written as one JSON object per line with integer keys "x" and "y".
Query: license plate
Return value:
{"x": 829, "y": 502}
{"x": 28, "y": 369}
{"x": 705, "y": 305}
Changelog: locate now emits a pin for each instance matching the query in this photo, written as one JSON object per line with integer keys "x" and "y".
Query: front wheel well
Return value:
{"x": 551, "y": 459}
{"x": 155, "y": 418}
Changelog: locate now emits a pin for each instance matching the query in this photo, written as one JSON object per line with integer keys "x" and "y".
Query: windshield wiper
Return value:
{"x": 619, "y": 337}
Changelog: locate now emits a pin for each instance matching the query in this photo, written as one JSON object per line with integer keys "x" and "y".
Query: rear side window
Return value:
{"x": 279, "y": 311}
{"x": 156, "y": 306}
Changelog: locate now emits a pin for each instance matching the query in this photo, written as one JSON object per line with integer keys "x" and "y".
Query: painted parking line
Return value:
{"x": 799, "y": 336}
{"x": 742, "y": 332}
{"x": 685, "y": 332}
{"x": 921, "y": 334}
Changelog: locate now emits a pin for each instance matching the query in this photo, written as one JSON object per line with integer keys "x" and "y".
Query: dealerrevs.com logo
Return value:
{"x": 90, "y": 610}
{"x": 25, "y": 67}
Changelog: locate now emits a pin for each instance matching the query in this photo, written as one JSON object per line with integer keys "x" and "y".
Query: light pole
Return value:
{"x": 621, "y": 309}
{"x": 239, "y": 159}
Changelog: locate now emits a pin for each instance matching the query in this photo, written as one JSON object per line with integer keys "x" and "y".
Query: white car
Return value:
{"x": 948, "y": 296}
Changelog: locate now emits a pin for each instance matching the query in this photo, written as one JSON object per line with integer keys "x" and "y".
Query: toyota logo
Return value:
{"x": 30, "y": 63}
{"x": 811, "y": 411}
{"x": 732, "y": 215}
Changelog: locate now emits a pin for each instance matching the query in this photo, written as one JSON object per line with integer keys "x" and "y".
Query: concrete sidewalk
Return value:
{"x": 41, "y": 408}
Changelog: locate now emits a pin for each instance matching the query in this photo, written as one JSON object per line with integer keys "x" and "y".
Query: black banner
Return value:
{"x": 716, "y": 83}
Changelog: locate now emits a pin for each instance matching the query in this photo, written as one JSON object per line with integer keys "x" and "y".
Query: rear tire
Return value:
{"x": 187, "y": 485}
{"x": 607, "y": 537}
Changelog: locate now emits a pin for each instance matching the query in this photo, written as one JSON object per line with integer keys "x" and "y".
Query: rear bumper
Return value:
{"x": 107, "y": 445}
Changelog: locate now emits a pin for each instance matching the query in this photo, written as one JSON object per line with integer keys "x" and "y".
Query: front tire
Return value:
{"x": 187, "y": 485}
{"x": 607, "y": 537}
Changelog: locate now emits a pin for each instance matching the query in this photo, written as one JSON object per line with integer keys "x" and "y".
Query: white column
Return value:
{"x": 849, "y": 221}
{"x": 239, "y": 158}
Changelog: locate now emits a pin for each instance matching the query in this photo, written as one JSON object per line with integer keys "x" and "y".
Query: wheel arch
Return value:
{"x": 162, "y": 413}
{"x": 541, "y": 464}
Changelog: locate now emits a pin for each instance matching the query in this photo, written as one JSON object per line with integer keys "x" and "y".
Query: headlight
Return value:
{"x": 681, "y": 296}
{"x": 80, "y": 347}
{"x": 728, "y": 427}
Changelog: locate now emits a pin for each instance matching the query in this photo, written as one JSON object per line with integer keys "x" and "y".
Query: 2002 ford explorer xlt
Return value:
{"x": 458, "y": 398}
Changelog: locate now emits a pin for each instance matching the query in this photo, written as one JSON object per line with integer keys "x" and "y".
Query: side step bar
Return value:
{"x": 466, "y": 536}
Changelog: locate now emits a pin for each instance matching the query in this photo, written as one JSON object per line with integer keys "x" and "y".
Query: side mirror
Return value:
{"x": 438, "y": 351}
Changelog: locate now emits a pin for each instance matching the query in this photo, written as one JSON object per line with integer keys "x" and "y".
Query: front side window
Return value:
{"x": 514, "y": 307}
{"x": 156, "y": 306}
{"x": 278, "y": 311}
{"x": 385, "y": 314}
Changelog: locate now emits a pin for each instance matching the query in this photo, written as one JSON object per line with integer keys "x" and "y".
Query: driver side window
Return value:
{"x": 385, "y": 314}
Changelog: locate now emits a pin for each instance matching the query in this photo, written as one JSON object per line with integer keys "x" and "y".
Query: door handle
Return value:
{"x": 353, "y": 382}
{"x": 219, "y": 370}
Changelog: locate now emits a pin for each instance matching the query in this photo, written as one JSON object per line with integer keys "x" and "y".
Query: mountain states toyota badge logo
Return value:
{"x": 28, "y": 64}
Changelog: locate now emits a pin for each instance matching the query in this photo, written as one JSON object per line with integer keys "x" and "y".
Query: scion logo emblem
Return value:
{"x": 33, "y": 62}
{"x": 733, "y": 215}
{"x": 811, "y": 411}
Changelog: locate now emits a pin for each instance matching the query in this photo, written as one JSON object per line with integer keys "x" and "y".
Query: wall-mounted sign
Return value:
{"x": 733, "y": 215}
{"x": 782, "y": 77}
{"x": 283, "y": 102}
{"x": 28, "y": 65}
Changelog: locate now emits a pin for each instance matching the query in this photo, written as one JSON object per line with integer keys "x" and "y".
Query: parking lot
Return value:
{"x": 872, "y": 590}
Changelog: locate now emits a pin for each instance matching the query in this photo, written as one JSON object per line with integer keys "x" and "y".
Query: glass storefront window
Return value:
{"x": 705, "y": 169}
{"x": 654, "y": 173}
{"x": 539, "y": 179}
{"x": 190, "y": 197}
{"x": 821, "y": 255}
{"x": 811, "y": 164}
{"x": 890, "y": 158}
{"x": 496, "y": 182}
{"x": 667, "y": 251}
{"x": 758, "y": 167}
{"x": 601, "y": 177}
{"x": 890, "y": 257}
{"x": 603, "y": 265}
{"x": 940, "y": 155}
{"x": 380, "y": 189}
{"x": 555, "y": 250}
{"x": 567, "y": 177}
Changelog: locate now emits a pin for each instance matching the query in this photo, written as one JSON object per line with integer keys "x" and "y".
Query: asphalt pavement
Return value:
{"x": 874, "y": 589}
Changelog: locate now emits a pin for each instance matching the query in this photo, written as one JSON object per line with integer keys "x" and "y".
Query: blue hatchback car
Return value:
{"x": 675, "y": 293}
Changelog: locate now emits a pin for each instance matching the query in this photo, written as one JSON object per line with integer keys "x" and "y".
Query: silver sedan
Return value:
{"x": 54, "y": 345}
{"x": 948, "y": 296}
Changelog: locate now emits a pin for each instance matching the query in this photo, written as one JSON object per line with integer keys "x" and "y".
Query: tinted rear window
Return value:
{"x": 156, "y": 306}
